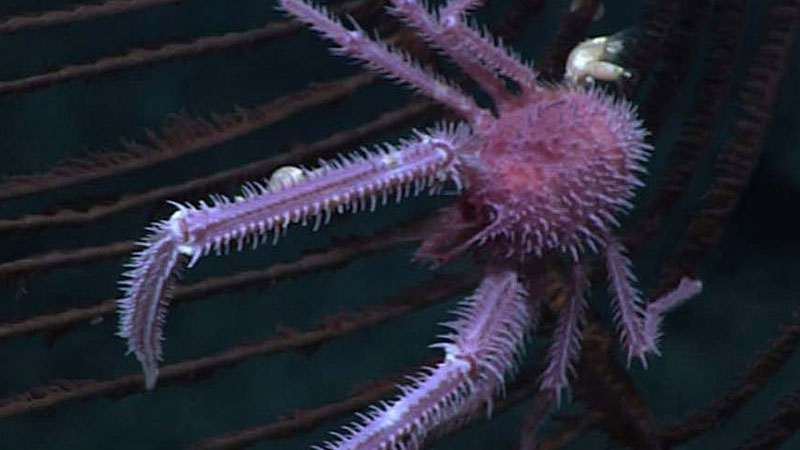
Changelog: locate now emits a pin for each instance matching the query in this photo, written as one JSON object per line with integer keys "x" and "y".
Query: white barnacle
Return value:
{"x": 589, "y": 61}
{"x": 286, "y": 176}
{"x": 391, "y": 160}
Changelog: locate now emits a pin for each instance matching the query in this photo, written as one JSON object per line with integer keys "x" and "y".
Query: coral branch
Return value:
{"x": 678, "y": 51}
{"x": 181, "y": 135}
{"x": 386, "y": 121}
{"x": 38, "y": 264}
{"x": 426, "y": 294}
{"x": 761, "y": 368}
{"x": 569, "y": 432}
{"x": 519, "y": 14}
{"x": 146, "y": 56}
{"x": 335, "y": 256}
{"x": 779, "y": 428}
{"x": 609, "y": 392}
{"x": 542, "y": 407}
{"x": 738, "y": 158}
{"x": 728, "y": 28}
{"x": 32, "y": 21}
{"x": 659, "y": 18}
{"x": 297, "y": 421}
{"x": 571, "y": 31}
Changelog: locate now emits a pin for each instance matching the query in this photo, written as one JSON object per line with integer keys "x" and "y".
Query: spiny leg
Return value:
{"x": 482, "y": 46}
{"x": 447, "y": 39}
{"x": 566, "y": 346}
{"x": 654, "y": 314}
{"x": 493, "y": 54}
{"x": 354, "y": 182}
{"x": 484, "y": 345}
{"x": 639, "y": 325}
{"x": 385, "y": 60}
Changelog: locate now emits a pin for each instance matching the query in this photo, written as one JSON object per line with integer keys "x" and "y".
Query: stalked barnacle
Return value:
{"x": 593, "y": 60}
{"x": 286, "y": 176}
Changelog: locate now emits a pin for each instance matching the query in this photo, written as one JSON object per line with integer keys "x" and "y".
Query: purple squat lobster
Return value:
{"x": 545, "y": 173}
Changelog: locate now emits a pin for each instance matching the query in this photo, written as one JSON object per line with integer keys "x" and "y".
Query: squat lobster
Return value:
{"x": 545, "y": 173}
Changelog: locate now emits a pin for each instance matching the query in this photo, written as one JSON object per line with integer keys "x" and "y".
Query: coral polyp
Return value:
{"x": 546, "y": 172}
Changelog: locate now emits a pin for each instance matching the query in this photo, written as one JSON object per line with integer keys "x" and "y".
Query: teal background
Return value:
{"x": 751, "y": 278}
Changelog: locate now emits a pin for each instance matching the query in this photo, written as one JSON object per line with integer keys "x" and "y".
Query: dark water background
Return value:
{"x": 752, "y": 277}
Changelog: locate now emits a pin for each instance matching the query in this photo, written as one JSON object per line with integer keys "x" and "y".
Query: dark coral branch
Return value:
{"x": 727, "y": 30}
{"x": 335, "y": 256}
{"x": 43, "y": 19}
{"x": 518, "y": 16}
{"x": 425, "y": 294}
{"x": 571, "y": 31}
{"x": 570, "y": 431}
{"x": 144, "y": 56}
{"x": 762, "y": 367}
{"x": 39, "y": 264}
{"x": 658, "y": 18}
{"x": 678, "y": 51}
{"x": 540, "y": 409}
{"x": 299, "y": 154}
{"x": 608, "y": 390}
{"x": 295, "y": 422}
{"x": 181, "y": 135}
{"x": 737, "y": 160}
{"x": 139, "y": 57}
{"x": 779, "y": 428}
